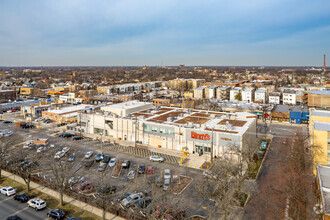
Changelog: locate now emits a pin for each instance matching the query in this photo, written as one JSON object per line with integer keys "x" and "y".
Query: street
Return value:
{"x": 10, "y": 207}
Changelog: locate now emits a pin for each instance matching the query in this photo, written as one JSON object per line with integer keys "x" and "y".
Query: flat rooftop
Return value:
{"x": 69, "y": 109}
{"x": 324, "y": 181}
{"x": 320, "y": 113}
{"x": 126, "y": 105}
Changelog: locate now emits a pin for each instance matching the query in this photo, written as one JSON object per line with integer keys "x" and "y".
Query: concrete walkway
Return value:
{"x": 66, "y": 199}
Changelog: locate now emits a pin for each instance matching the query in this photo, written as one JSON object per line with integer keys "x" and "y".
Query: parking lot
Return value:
{"x": 189, "y": 199}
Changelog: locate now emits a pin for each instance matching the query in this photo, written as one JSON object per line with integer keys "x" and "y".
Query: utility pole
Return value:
{"x": 135, "y": 138}
{"x": 212, "y": 147}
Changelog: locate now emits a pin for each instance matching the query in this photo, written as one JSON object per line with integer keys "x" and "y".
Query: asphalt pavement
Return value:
{"x": 9, "y": 207}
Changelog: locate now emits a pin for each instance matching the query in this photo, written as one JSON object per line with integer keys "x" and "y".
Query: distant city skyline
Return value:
{"x": 164, "y": 33}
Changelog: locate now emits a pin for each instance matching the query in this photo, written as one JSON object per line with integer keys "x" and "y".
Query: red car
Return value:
{"x": 85, "y": 185}
{"x": 149, "y": 170}
{"x": 13, "y": 110}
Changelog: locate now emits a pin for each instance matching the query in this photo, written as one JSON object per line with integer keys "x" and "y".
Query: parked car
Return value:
{"x": 106, "y": 159}
{"x": 66, "y": 135}
{"x": 149, "y": 170}
{"x": 166, "y": 184}
{"x": 77, "y": 138}
{"x": 88, "y": 163}
{"x": 88, "y": 154}
{"x": 131, "y": 199}
{"x": 7, "y": 122}
{"x": 120, "y": 198}
{"x": 141, "y": 169}
{"x": 156, "y": 158}
{"x": 143, "y": 202}
{"x": 102, "y": 167}
{"x": 41, "y": 149}
{"x": 8, "y": 190}
{"x": 56, "y": 214}
{"x": 72, "y": 157}
{"x": 14, "y": 217}
{"x": 59, "y": 154}
{"x": 85, "y": 185}
{"x": 99, "y": 157}
{"x": 76, "y": 179}
{"x": 22, "y": 197}
{"x": 112, "y": 162}
{"x": 37, "y": 204}
{"x": 66, "y": 149}
{"x": 27, "y": 126}
{"x": 131, "y": 174}
{"x": 107, "y": 190}
{"x": 39, "y": 119}
{"x": 47, "y": 121}
{"x": 126, "y": 164}
{"x": 167, "y": 174}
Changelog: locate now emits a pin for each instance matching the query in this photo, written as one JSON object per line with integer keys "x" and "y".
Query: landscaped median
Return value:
{"x": 72, "y": 207}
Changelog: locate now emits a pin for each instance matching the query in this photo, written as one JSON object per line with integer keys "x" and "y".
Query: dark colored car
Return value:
{"x": 107, "y": 190}
{"x": 125, "y": 164}
{"x": 144, "y": 202}
{"x": 76, "y": 138}
{"x": 88, "y": 163}
{"x": 47, "y": 121}
{"x": 65, "y": 135}
{"x": 7, "y": 122}
{"x": 142, "y": 168}
{"x": 21, "y": 197}
{"x": 99, "y": 157}
{"x": 27, "y": 126}
{"x": 14, "y": 217}
{"x": 106, "y": 159}
{"x": 56, "y": 214}
{"x": 72, "y": 157}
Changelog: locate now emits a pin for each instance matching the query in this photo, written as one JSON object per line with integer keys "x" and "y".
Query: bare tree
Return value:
{"x": 25, "y": 168}
{"x": 62, "y": 171}
{"x": 6, "y": 144}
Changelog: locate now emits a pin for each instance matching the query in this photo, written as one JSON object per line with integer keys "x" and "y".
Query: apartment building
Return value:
{"x": 234, "y": 92}
{"x": 260, "y": 95}
{"x": 223, "y": 93}
{"x": 199, "y": 93}
{"x": 185, "y": 84}
{"x": 210, "y": 92}
{"x": 248, "y": 94}
{"x": 177, "y": 129}
{"x": 6, "y": 95}
{"x": 319, "y": 99}
{"x": 319, "y": 131}
{"x": 274, "y": 98}
{"x": 289, "y": 97}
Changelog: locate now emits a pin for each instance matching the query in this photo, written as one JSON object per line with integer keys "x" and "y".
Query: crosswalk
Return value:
{"x": 142, "y": 152}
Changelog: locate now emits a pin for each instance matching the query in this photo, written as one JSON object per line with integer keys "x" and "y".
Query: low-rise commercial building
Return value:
{"x": 6, "y": 95}
{"x": 178, "y": 129}
{"x": 66, "y": 114}
{"x": 322, "y": 207}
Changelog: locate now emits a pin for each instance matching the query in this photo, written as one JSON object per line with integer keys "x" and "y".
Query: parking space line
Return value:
{"x": 18, "y": 211}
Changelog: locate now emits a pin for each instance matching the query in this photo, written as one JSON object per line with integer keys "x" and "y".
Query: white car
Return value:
{"x": 167, "y": 174}
{"x": 112, "y": 162}
{"x": 38, "y": 119}
{"x": 76, "y": 179}
{"x": 88, "y": 154}
{"x": 37, "y": 204}
{"x": 8, "y": 191}
{"x": 59, "y": 155}
{"x": 131, "y": 199}
{"x": 66, "y": 149}
{"x": 41, "y": 149}
{"x": 156, "y": 158}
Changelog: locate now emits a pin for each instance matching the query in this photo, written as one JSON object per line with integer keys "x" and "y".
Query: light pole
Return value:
{"x": 212, "y": 146}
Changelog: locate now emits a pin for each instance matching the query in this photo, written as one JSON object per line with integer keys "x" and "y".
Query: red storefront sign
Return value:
{"x": 204, "y": 137}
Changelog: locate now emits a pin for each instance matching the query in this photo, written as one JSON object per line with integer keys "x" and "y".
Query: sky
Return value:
{"x": 164, "y": 32}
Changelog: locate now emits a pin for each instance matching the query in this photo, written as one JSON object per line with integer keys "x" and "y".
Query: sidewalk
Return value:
{"x": 66, "y": 199}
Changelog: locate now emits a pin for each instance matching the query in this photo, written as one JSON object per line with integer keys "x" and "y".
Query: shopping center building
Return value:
{"x": 195, "y": 131}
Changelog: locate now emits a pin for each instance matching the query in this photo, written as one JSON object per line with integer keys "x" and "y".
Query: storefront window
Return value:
{"x": 207, "y": 150}
{"x": 154, "y": 129}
